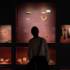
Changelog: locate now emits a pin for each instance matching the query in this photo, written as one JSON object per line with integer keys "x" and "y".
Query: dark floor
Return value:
{"x": 24, "y": 68}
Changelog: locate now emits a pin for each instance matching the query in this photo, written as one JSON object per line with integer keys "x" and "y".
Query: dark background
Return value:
{"x": 7, "y": 16}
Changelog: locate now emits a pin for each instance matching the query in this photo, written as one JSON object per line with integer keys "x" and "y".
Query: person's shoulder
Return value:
{"x": 42, "y": 39}
{"x": 31, "y": 40}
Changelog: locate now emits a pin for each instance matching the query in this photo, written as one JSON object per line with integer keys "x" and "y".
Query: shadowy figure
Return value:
{"x": 38, "y": 51}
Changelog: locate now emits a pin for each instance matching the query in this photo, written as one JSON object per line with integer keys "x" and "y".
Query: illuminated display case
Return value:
{"x": 42, "y": 15}
{"x": 15, "y": 32}
{"x": 65, "y": 36}
{"x": 22, "y": 55}
{"x": 5, "y": 55}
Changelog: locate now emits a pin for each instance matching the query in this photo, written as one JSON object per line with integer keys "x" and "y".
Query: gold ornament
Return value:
{"x": 44, "y": 18}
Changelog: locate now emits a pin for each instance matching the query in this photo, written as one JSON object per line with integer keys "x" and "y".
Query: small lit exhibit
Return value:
{"x": 5, "y": 55}
{"x": 22, "y": 55}
{"x": 41, "y": 15}
{"x": 65, "y": 36}
{"x": 5, "y": 34}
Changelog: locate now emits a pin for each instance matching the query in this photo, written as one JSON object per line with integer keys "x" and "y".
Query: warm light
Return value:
{"x": 48, "y": 11}
{"x": 43, "y": 12}
{"x": 2, "y": 59}
{"x": 51, "y": 62}
{"x": 69, "y": 30}
{"x": 3, "y": 62}
{"x": 28, "y": 12}
{"x": 19, "y": 60}
{"x": 44, "y": 18}
{"x": 27, "y": 18}
{"x": 24, "y": 59}
{"x": 7, "y": 60}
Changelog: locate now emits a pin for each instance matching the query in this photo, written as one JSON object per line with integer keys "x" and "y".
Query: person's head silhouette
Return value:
{"x": 35, "y": 31}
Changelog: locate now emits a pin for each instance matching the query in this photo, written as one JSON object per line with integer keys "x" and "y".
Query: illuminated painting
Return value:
{"x": 5, "y": 34}
{"x": 65, "y": 37}
{"x": 5, "y": 55}
{"x": 40, "y": 15}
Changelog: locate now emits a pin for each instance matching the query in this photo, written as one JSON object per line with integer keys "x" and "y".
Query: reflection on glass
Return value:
{"x": 5, "y": 33}
{"x": 65, "y": 37}
{"x": 5, "y": 55}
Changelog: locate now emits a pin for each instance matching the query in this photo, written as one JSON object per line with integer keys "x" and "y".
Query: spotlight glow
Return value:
{"x": 7, "y": 60}
{"x": 2, "y": 59}
{"x": 19, "y": 60}
{"x": 43, "y": 12}
{"x": 27, "y": 18}
{"x": 28, "y": 12}
{"x": 24, "y": 59}
{"x": 48, "y": 11}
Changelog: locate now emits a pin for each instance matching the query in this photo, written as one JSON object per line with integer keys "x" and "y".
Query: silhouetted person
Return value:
{"x": 38, "y": 50}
